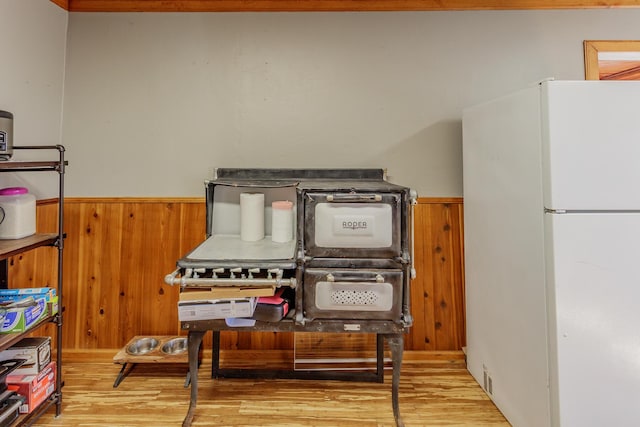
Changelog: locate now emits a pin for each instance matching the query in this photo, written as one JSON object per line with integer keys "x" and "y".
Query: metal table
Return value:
{"x": 384, "y": 330}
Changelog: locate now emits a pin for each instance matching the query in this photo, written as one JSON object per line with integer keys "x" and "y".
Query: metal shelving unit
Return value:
{"x": 9, "y": 248}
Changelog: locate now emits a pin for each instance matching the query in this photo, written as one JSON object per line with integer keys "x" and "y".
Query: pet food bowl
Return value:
{"x": 142, "y": 346}
{"x": 174, "y": 346}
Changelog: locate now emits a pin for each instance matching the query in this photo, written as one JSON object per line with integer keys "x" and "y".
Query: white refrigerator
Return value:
{"x": 552, "y": 252}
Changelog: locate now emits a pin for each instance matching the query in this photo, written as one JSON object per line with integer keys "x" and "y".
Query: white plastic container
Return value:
{"x": 17, "y": 213}
{"x": 282, "y": 221}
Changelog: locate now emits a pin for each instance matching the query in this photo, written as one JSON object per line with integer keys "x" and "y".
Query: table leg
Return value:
{"x": 396, "y": 344}
{"x": 193, "y": 344}
{"x": 122, "y": 374}
{"x": 215, "y": 354}
{"x": 380, "y": 357}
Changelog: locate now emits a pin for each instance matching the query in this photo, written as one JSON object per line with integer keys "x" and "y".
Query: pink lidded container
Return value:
{"x": 17, "y": 213}
{"x": 282, "y": 221}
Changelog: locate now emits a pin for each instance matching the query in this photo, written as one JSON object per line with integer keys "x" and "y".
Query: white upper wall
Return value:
{"x": 34, "y": 37}
{"x": 155, "y": 101}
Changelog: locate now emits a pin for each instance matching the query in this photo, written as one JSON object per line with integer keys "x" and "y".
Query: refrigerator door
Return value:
{"x": 593, "y": 288}
{"x": 591, "y": 144}
{"x": 504, "y": 255}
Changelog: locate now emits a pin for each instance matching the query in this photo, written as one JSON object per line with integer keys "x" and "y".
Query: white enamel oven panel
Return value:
{"x": 352, "y": 294}
{"x": 352, "y": 225}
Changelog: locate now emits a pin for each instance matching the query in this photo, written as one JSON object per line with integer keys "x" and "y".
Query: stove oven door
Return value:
{"x": 352, "y": 294}
{"x": 352, "y": 225}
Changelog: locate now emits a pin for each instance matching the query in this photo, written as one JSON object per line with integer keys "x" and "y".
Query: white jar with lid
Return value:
{"x": 282, "y": 221}
{"x": 17, "y": 213}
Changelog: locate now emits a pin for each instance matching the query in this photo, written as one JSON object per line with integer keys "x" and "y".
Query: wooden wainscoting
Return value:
{"x": 437, "y": 293}
{"x": 118, "y": 250}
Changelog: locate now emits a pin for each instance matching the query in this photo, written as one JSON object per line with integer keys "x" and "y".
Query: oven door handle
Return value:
{"x": 377, "y": 278}
{"x": 354, "y": 197}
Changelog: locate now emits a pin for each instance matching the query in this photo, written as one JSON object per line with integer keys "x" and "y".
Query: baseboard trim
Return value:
{"x": 264, "y": 356}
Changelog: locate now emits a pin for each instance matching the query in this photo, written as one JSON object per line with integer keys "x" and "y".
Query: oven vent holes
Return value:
{"x": 354, "y": 297}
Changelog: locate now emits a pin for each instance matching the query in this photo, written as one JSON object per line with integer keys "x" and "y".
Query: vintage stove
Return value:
{"x": 348, "y": 261}
{"x": 350, "y": 255}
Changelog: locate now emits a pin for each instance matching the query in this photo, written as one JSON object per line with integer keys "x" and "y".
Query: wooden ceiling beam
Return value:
{"x": 330, "y": 5}
{"x": 62, "y": 3}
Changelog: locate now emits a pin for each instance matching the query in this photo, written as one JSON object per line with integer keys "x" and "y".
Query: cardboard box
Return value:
{"x": 216, "y": 309}
{"x": 20, "y": 293}
{"x": 49, "y": 294}
{"x": 225, "y": 292}
{"x": 52, "y": 306}
{"x": 35, "y": 388}
{"x": 35, "y": 350}
{"x": 19, "y": 319}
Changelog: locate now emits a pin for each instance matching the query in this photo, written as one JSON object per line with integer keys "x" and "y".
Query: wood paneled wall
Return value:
{"x": 117, "y": 252}
{"x": 437, "y": 294}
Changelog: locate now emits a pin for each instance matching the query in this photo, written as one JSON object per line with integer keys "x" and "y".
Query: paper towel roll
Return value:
{"x": 251, "y": 216}
{"x": 281, "y": 221}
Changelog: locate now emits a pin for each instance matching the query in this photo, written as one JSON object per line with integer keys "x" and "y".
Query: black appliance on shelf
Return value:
{"x": 10, "y": 401}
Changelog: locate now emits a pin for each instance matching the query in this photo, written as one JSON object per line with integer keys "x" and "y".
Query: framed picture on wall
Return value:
{"x": 612, "y": 60}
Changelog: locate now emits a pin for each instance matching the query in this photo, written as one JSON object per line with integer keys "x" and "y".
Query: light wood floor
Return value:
{"x": 432, "y": 393}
